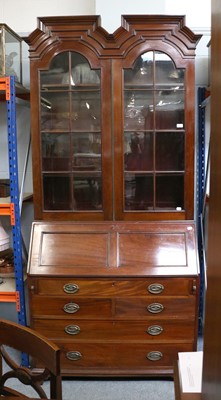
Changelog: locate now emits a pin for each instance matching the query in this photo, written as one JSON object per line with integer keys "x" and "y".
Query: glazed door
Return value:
{"x": 153, "y": 140}
{"x": 74, "y": 172}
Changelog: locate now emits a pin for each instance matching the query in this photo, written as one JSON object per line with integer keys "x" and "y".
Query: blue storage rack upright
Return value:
{"x": 201, "y": 188}
{"x": 8, "y": 83}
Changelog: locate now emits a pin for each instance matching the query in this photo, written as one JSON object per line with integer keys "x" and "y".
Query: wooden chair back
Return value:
{"x": 38, "y": 348}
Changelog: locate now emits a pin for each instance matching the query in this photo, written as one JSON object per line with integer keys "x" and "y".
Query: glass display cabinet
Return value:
{"x": 10, "y": 53}
{"x": 113, "y": 119}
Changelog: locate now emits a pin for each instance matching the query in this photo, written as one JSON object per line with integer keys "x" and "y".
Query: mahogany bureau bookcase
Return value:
{"x": 113, "y": 271}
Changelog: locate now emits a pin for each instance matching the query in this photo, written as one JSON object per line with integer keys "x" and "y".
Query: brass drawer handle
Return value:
{"x": 155, "y": 308}
{"x": 72, "y": 329}
{"x": 71, "y": 308}
{"x": 154, "y": 330}
{"x": 71, "y": 288}
{"x": 74, "y": 355}
{"x": 154, "y": 355}
{"x": 155, "y": 288}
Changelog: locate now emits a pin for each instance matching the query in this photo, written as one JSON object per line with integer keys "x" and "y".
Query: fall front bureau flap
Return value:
{"x": 113, "y": 248}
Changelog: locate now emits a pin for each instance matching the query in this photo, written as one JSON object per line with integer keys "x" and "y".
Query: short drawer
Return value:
{"x": 147, "y": 331}
{"x": 166, "y": 307}
{"x": 66, "y": 307}
{"x": 113, "y": 286}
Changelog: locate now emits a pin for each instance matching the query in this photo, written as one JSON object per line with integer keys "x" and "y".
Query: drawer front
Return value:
{"x": 66, "y": 307}
{"x": 148, "y": 331}
{"x": 112, "y": 287}
{"x": 120, "y": 356}
{"x": 180, "y": 307}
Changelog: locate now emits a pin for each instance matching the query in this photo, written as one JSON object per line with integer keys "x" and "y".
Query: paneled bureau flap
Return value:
{"x": 143, "y": 248}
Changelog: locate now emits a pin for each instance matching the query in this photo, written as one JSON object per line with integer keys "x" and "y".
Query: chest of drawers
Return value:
{"x": 120, "y": 299}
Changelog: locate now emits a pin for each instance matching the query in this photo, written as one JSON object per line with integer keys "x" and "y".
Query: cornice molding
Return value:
{"x": 134, "y": 31}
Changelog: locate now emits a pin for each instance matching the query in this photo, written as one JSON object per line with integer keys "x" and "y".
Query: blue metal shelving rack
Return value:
{"x": 10, "y": 93}
{"x": 201, "y": 187}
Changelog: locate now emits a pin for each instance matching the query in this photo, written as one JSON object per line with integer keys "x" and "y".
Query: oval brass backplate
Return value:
{"x": 154, "y": 330}
{"x": 72, "y": 329}
{"x": 155, "y": 308}
{"x": 74, "y": 355}
{"x": 155, "y": 288}
{"x": 71, "y": 288}
{"x": 154, "y": 355}
{"x": 71, "y": 308}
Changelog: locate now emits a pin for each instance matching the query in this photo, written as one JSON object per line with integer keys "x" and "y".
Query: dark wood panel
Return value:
{"x": 158, "y": 249}
{"x": 211, "y": 386}
{"x": 78, "y": 249}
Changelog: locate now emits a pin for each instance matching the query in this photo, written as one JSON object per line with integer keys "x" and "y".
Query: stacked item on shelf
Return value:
{"x": 6, "y": 254}
{"x": 4, "y": 239}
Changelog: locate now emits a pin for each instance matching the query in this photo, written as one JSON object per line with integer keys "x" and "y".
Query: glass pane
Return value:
{"x": 169, "y": 109}
{"x": 170, "y": 192}
{"x": 58, "y": 70}
{"x": 138, "y": 191}
{"x": 137, "y": 113}
{"x": 169, "y": 151}
{"x": 56, "y": 189}
{"x": 55, "y": 111}
{"x": 87, "y": 151}
{"x": 138, "y": 154}
{"x": 86, "y": 110}
{"x": 55, "y": 152}
{"x": 166, "y": 72}
{"x": 142, "y": 72}
{"x": 87, "y": 192}
{"x": 68, "y": 69}
{"x": 12, "y": 56}
{"x": 81, "y": 72}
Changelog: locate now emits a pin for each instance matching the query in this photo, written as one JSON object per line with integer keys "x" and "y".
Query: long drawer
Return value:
{"x": 156, "y": 330}
{"x": 121, "y": 356}
{"x": 112, "y": 287}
